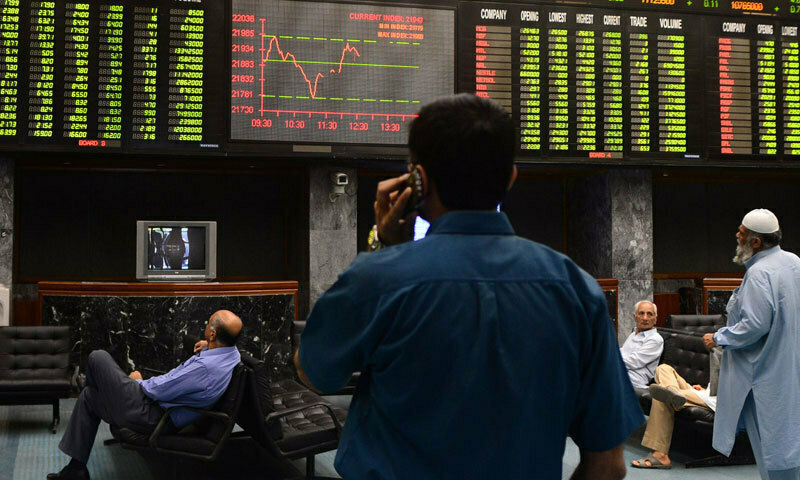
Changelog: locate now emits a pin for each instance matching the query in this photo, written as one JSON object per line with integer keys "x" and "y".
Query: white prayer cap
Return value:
{"x": 761, "y": 220}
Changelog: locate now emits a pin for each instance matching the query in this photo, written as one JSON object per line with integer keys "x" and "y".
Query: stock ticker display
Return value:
{"x": 613, "y": 84}
{"x": 336, "y": 73}
{"x": 111, "y": 75}
{"x": 598, "y": 81}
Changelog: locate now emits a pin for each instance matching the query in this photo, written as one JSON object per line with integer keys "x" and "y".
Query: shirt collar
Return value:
{"x": 762, "y": 254}
{"x": 217, "y": 351}
{"x": 646, "y": 333}
{"x": 472, "y": 222}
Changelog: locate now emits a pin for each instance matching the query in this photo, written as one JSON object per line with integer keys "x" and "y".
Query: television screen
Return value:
{"x": 176, "y": 248}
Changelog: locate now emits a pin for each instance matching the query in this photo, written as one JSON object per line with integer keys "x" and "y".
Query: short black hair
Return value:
{"x": 466, "y": 145}
{"x": 224, "y": 337}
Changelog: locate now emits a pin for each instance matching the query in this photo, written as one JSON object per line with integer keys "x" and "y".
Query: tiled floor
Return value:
{"x": 29, "y": 451}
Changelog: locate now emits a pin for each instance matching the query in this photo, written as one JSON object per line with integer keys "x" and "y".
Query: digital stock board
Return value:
{"x": 108, "y": 75}
{"x": 600, "y": 83}
{"x": 685, "y": 82}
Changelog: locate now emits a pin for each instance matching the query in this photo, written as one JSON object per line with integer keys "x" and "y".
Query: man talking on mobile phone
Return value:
{"x": 480, "y": 351}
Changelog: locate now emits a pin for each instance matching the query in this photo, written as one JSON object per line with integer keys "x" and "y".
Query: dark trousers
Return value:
{"x": 112, "y": 396}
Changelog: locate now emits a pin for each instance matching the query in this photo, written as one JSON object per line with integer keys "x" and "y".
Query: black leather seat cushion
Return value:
{"x": 186, "y": 442}
{"x": 282, "y": 387}
{"x": 312, "y": 426}
{"x": 697, "y": 413}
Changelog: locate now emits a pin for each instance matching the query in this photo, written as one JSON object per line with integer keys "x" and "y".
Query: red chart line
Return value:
{"x": 312, "y": 86}
{"x": 403, "y": 116}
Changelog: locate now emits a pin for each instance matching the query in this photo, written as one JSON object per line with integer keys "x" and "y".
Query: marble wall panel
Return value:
{"x": 6, "y": 232}
{"x": 332, "y": 229}
{"x": 331, "y": 252}
{"x": 718, "y": 300}
{"x": 65, "y": 311}
{"x": 630, "y": 292}
{"x": 160, "y": 332}
{"x": 632, "y": 239}
{"x": 589, "y": 224}
{"x": 611, "y": 303}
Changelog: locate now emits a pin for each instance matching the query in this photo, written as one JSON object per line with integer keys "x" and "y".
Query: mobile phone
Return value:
{"x": 415, "y": 202}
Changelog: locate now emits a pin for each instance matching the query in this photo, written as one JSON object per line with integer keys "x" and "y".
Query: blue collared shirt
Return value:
{"x": 480, "y": 352}
{"x": 197, "y": 382}
{"x": 762, "y": 355}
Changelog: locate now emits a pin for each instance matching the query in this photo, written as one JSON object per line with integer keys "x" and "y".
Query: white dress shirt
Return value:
{"x": 641, "y": 352}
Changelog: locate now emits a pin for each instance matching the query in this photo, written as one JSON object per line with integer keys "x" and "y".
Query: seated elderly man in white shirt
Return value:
{"x": 643, "y": 347}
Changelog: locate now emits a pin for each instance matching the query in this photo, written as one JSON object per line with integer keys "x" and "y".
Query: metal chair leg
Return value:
{"x": 310, "y": 466}
{"x": 56, "y": 417}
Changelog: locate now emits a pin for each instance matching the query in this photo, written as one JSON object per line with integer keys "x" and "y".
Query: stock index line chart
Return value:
{"x": 335, "y": 73}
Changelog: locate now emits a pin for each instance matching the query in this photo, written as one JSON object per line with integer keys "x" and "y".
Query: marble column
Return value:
{"x": 332, "y": 228}
{"x": 632, "y": 240}
{"x": 6, "y": 237}
{"x": 610, "y": 233}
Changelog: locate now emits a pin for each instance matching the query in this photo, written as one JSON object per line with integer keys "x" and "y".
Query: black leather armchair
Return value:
{"x": 287, "y": 419}
{"x": 34, "y": 367}
{"x": 694, "y": 426}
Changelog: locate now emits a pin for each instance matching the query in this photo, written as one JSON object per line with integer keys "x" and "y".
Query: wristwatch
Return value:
{"x": 373, "y": 242}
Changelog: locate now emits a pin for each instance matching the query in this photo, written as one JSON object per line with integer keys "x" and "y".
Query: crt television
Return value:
{"x": 176, "y": 251}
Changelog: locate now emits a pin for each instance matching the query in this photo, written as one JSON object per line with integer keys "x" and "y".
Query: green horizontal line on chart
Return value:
{"x": 319, "y": 62}
{"x": 306, "y": 97}
{"x": 323, "y": 39}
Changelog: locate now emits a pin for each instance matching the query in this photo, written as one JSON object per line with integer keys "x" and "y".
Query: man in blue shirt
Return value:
{"x": 480, "y": 351}
{"x": 759, "y": 380}
{"x": 128, "y": 401}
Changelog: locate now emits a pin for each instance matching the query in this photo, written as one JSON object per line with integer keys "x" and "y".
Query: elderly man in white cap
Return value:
{"x": 760, "y": 373}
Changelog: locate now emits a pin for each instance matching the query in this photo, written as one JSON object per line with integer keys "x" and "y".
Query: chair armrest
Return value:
{"x": 153, "y": 371}
{"x": 164, "y": 418}
{"x": 289, "y": 411}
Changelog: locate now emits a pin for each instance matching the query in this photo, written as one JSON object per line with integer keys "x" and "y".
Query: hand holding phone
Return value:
{"x": 395, "y": 223}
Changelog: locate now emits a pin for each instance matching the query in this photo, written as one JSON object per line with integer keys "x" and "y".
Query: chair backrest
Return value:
{"x": 230, "y": 403}
{"x": 696, "y": 323}
{"x": 34, "y": 353}
{"x": 259, "y": 393}
{"x": 688, "y": 356}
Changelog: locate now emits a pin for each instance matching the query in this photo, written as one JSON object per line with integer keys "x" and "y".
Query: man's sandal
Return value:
{"x": 654, "y": 463}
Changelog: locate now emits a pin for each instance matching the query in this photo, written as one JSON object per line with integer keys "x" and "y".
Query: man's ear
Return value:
{"x": 513, "y": 177}
{"x": 756, "y": 243}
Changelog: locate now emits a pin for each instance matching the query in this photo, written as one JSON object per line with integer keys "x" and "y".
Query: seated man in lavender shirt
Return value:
{"x": 130, "y": 402}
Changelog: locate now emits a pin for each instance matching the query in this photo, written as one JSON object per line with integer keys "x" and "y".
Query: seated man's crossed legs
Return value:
{"x": 670, "y": 393}
{"x": 112, "y": 396}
